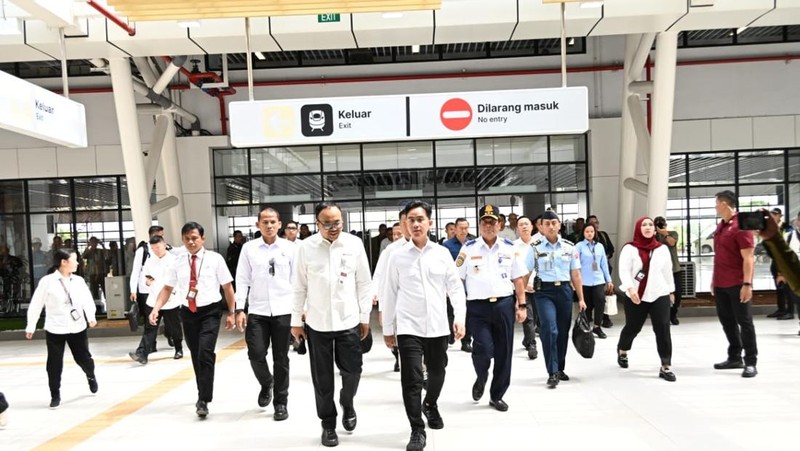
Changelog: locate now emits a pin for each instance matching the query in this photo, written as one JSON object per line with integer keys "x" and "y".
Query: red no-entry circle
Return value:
{"x": 456, "y": 114}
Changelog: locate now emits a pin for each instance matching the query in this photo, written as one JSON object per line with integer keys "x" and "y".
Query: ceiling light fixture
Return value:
{"x": 740, "y": 30}
{"x": 260, "y": 56}
{"x": 189, "y": 23}
{"x": 571, "y": 41}
{"x": 415, "y": 48}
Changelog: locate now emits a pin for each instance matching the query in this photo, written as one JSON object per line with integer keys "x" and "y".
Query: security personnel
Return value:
{"x": 556, "y": 264}
{"x": 493, "y": 277}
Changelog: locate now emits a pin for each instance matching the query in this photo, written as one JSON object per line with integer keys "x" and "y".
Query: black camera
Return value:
{"x": 660, "y": 223}
{"x": 537, "y": 283}
{"x": 756, "y": 220}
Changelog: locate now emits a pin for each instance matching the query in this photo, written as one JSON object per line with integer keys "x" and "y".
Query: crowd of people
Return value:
{"x": 321, "y": 290}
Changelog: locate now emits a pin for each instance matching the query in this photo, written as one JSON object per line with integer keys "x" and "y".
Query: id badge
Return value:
{"x": 75, "y": 315}
{"x": 342, "y": 278}
{"x": 594, "y": 266}
{"x": 640, "y": 276}
{"x": 191, "y": 294}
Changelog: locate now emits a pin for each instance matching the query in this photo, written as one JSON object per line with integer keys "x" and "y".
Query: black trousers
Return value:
{"x": 492, "y": 325}
{"x": 172, "y": 328}
{"x": 677, "y": 277}
{"x": 260, "y": 333}
{"x": 79, "y": 346}
{"x": 201, "y": 330}
{"x": 636, "y": 315}
{"x": 413, "y": 350}
{"x": 595, "y": 299}
{"x": 451, "y": 317}
{"x": 141, "y": 299}
{"x": 737, "y": 323}
{"x": 343, "y": 348}
{"x": 530, "y": 323}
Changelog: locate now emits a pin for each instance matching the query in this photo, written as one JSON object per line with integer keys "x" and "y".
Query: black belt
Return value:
{"x": 493, "y": 299}
{"x": 555, "y": 284}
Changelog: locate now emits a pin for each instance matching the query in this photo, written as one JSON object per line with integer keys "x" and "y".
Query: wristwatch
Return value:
{"x": 522, "y": 305}
{"x": 747, "y": 284}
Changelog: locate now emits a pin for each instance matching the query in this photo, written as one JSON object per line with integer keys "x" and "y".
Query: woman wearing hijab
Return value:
{"x": 595, "y": 275}
{"x": 645, "y": 272}
{"x": 69, "y": 306}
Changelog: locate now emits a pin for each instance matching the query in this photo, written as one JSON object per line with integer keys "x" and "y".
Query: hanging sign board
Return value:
{"x": 30, "y": 110}
{"x": 397, "y": 118}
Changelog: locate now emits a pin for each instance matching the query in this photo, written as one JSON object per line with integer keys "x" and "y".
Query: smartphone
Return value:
{"x": 754, "y": 220}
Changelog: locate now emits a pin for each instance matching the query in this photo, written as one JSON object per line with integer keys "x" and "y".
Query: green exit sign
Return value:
{"x": 323, "y": 18}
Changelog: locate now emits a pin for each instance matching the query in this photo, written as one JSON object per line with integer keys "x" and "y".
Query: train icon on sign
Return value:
{"x": 316, "y": 120}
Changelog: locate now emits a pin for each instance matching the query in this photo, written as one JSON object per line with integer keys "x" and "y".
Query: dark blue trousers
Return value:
{"x": 492, "y": 326}
{"x": 554, "y": 305}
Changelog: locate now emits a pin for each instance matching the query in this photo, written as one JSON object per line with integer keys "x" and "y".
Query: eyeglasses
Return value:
{"x": 291, "y": 228}
{"x": 271, "y": 266}
{"x": 331, "y": 225}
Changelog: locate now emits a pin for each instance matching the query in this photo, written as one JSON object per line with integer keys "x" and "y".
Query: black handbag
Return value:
{"x": 582, "y": 336}
{"x": 133, "y": 317}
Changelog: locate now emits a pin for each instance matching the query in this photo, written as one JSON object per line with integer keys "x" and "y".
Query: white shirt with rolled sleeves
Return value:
{"x": 159, "y": 269}
{"x": 268, "y": 294}
{"x": 378, "y": 277}
{"x": 212, "y": 273}
{"x": 659, "y": 279}
{"x": 51, "y": 295}
{"x": 488, "y": 272}
{"x": 137, "y": 282}
{"x": 417, "y": 284}
{"x": 332, "y": 283}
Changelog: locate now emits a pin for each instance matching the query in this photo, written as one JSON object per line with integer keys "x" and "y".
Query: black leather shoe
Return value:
{"x": 55, "y": 403}
{"x": 349, "y": 419}
{"x": 136, "y": 357}
{"x": 599, "y": 332}
{"x": 432, "y": 414}
{"x": 417, "y": 441}
{"x": 202, "y": 409}
{"x": 466, "y": 347}
{"x": 178, "y": 355}
{"x": 170, "y": 342}
{"x": 729, "y": 365}
{"x": 265, "y": 396}
{"x": 500, "y": 405}
{"x": 622, "y": 360}
{"x": 562, "y": 376}
{"x": 749, "y": 371}
{"x": 92, "y": 384}
{"x": 533, "y": 353}
{"x": 787, "y": 315}
{"x": 776, "y": 314}
{"x": 280, "y": 412}
{"x": 552, "y": 381}
{"x": 329, "y": 437}
{"x": 667, "y": 375}
{"x": 674, "y": 321}
{"x": 396, "y": 367}
{"x": 607, "y": 322}
{"x": 477, "y": 390}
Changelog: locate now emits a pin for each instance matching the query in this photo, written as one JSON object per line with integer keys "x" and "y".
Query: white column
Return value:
{"x": 627, "y": 154}
{"x": 663, "y": 105}
{"x": 128, "y": 121}
{"x": 173, "y": 219}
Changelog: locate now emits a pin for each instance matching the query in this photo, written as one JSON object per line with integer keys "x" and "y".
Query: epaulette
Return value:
{"x": 568, "y": 242}
{"x": 507, "y": 241}
{"x": 536, "y": 242}
{"x": 469, "y": 242}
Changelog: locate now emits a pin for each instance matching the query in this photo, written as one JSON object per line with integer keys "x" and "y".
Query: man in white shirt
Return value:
{"x": 264, "y": 290}
{"x": 523, "y": 248}
{"x": 196, "y": 278}
{"x": 415, "y": 317}
{"x": 291, "y": 230}
{"x": 155, "y": 272}
{"x": 138, "y": 283}
{"x": 332, "y": 285}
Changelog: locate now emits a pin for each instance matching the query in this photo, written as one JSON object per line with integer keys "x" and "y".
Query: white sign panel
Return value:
{"x": 318, "y": 121}
{"x": 500, "y": 113}
{"x": 397, "y": 118}
{"x": 33, "y": 111}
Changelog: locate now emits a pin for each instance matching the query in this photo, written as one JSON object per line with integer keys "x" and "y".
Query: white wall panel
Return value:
{"x": 10, "y": 167}
{"x": 786, "y": 12}
{"x": 475, "y": 21}
{"x": 37, "y": 162}
{"x": 797, "y": 130}
{"x": 91, "y": 45}
{"x": 376, "y": 30}
{"x": 154, "y": 38}
{"x": 773, "y": 131}
{"x": 732, "y": 134}
{"x": 195, "y": 162}
{"x": 724, "y": 14}
{"x": 305, "y": 32}
{"x": 637, "y": 16}
{"x": 605, "y": 144}
{"x": 227, "y": 35}
{"x": 540, "y": 21}
{"x": 109, "y": 160}
{"x": 76, "y": 162}
{"x": 13, "y": 49}
{"x": 691, "y": 136}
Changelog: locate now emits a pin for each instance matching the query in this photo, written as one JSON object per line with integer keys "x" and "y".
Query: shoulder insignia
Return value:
{"x": 469, "y": 243}
{"x": 567, "y": 241}
{"x": 460, "y": 259}
{"x": 507, "y": 241}
{"x": 536, "y": 242}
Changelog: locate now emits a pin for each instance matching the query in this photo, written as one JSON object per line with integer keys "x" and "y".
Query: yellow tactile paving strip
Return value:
{"x": 103, "y": 420}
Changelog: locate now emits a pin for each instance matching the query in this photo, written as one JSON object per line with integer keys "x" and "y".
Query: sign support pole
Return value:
{"x": 563, "y": 45}
{"x": 249, "y": 59}
{"x": 64, "y": 71}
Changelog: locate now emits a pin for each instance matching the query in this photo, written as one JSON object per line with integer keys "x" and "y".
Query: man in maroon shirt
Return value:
{"x": 732, "y": 286}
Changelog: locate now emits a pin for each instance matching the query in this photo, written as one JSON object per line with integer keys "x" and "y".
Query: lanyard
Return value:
{"x": 591, "y": 249}
{"x": 69, "y": 298}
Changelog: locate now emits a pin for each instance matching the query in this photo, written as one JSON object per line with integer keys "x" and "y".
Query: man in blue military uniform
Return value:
{"x": 493, "y": 277}
{"x": 557, "y": 273}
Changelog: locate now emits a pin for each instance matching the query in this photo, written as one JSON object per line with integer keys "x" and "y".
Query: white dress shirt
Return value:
{"x": 137, "y": 281}
{"x": 269, "y": 294}
{"x": 332, "y": 283}
{"x": 417, "y": 284}
{"x": 51, "y": 294}
{"x": 659, "y": 278}
{"x": 793, "y": 240}
{"x": 212, "y": 273}
{"x": 522, "y": 249}
{"x": 508, "y": 234}
{"x": 159, "y": 268}
{"x": 378, "y": 277}
{"x": 488, "y": 272}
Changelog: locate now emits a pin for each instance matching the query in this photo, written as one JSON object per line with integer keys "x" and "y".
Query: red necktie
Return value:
{"x": 192, "y": 284}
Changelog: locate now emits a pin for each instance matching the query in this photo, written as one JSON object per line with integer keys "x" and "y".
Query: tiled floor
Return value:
{"x": 602, "y": 407}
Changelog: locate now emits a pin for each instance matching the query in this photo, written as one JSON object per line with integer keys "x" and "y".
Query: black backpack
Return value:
{"x": 145, "y": 250}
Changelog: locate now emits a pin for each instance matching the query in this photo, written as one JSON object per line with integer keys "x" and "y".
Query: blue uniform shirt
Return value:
{"x": 555, "y": 261}
{"x": 453, "y": 245}
{"x": 593, "y": 255}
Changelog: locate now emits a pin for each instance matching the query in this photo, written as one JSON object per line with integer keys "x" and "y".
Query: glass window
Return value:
{"x": 289, "y": 188}
{"x": 343, "y": 186}
{"x": 677, "y": 170}
{"x": 568, "y": 177}
{"x": 280, "y": 160}
{"x": 50, "y": 195}
{"x": 448, "y": 209}
{"x": 677, "y": 221}
{"x": 230, "y": 162}
{"x": 96, "y": 193}
{"x": 454, "y": 153}
{"x": 14, "y": 259}
{"x": 512, "y": 150}
{"x": 568, "y": 148}
{"x": 759, "y": 167}
{"x": 398, "y": 155}
{"x": 125, "y": 201}
{"x": 512, "y": 179}
{"x": 455, "y": 182}
{"x": 793, "y": 210}
{"x": 707, "y": 169}
{"x": 703, "y": 221}
{"x": 569, "y": 206}
{"x": 392, "y": 184}
{"x": 12, "y": 196}
{"x": 233, "y": 190}
{"x": 341, "y": 158}
{"x": 794, "y": 165}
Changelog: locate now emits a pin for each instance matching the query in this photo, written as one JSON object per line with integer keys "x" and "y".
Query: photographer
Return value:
{"x": 783, "y": 256}
{"x": 670, "y": 239}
